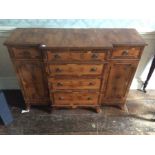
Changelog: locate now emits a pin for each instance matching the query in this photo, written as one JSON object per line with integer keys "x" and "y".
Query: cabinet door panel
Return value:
{"x": 33, "y": 81}
{"x": 31, "y": 72}
{"x": 119, "y": 79}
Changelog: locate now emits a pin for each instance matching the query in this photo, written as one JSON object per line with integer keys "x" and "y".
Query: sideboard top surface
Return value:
{"x": 72, "y": 38}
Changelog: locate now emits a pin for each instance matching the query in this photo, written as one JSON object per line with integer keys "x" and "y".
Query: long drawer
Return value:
{"x": 52, "y": 55}
{"x": 64, "y": 84}
{"x": 75, "y": 69}
{"x": 75, "y": 98}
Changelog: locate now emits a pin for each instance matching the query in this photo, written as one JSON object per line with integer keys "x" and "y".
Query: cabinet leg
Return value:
{"x": 98, "y": 109}
{"x": 27, "y": 108}
{"x": 124, "y": 108}
{"x": 51, "y": 109}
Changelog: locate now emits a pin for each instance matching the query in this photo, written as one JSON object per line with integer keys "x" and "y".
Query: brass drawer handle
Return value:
{"x": 58, "y": 70}
{"x": 91, "y": 83}
{"x": 89, "y": 98}
{"x": 59, "y": 84}
{"x": 93, "y": 69}
{"x": 56, "y": 56}
{"x": 125, "y": 52}
{"x": 61, "y": 98}
{"x": 94, "y": 56}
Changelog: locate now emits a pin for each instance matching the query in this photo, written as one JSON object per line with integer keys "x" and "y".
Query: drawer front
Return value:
{"x": 57, "y": 56}
{"x": 26, "y": 53}
{"x": 75, "y": 98}
{"x": 75, "y": 56}
{"x": 126, "y": 53}
{"x": 75, "y": 69}
{"x": 64, "y": 84}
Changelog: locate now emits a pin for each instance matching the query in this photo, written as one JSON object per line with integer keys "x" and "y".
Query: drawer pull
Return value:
{"x": 58, "y": 70}
{"x": 125, "y": 52}
{"x": 94, "y": 56}
{"x": 56, "y": 56}
{"x": 59, "y": 84}
{"x": 93, "y": 69}
{"x": 91, "y": 83}
{"x": 89, "y": 98}
{"x": 61, "y": 98}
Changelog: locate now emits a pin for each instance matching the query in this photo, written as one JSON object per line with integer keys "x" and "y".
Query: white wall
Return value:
{"x": 8, "y": 78}
{"x": 145, "y": 63}
{"x": 7, "y": 75}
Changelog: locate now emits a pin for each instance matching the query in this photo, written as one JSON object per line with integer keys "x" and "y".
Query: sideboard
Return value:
{"x": 75, "y": 67}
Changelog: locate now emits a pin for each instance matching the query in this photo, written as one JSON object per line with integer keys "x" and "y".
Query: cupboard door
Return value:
{"x": 119, "y": 80}
{"x": 33, "y": 82}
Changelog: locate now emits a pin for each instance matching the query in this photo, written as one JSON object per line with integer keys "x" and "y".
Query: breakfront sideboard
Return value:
{"x": 75, "y": 67}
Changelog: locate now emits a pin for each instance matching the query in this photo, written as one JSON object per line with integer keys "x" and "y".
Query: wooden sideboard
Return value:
{"x": 75, "y": 67}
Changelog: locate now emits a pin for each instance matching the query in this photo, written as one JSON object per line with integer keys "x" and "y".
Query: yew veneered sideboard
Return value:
{"x": 75, "y": 67}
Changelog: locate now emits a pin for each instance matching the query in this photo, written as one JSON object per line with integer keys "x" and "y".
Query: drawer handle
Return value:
{"x": 89, "y": 98}
{"x": 94, "y": 56}
{"x": 91, "y": 83}
{"x": 93, "y": 69}
{"x": 61, "y": 98}
{"x": 56, "y": 56}
{"x": 125, "y": 52}
{"x": 59, "y": 84}
{"x": 58, "y": 70}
